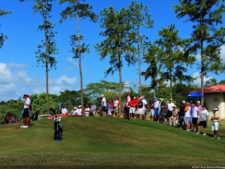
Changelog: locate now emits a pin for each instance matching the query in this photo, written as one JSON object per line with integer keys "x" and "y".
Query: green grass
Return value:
{"x": 107, "y": 143}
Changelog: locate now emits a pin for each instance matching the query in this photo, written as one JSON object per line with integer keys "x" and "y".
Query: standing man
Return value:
{"x": 132, "y": 106}
{"x": 103, "y": 105}
{"x": 215, "y": 122}
{"x": 171, "y": 105}
{"x": 127, "y": 106}
{"x": 156, "y": 109}
{"x": 164, "y": 109}
{"x": 203, "y": 120}
{"x": 151, "y": 109}
{"x": 116, "y": 107}
{"x": 144, "y": 107}
{"x": 26, "y": 112}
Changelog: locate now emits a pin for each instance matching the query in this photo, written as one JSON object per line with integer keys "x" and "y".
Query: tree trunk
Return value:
{"x": 120, "y": 77}
{"x": 202, "y": 69}
{"x": 80, "y": 66}
{"x": 46, "y": 56}
{"x": 139, "y": 61}
{"x": 171, "y": 85}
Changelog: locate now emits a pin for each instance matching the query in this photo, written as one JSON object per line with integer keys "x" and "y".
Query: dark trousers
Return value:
{"x": 127, "y": 111}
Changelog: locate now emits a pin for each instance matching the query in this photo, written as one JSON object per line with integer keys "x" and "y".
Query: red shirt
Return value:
{"x": 133, "y": 103}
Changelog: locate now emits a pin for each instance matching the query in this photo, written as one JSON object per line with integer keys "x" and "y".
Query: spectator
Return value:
{"x": 116, "y": 107}
{"x": 74, "y": 112}
{"x": 127, "y": 106}
{"x": 64, "y": 112}
{"x": 132, "y": 106}
{"x": 79, "y": 111}
{"x": 215, "y": 122}
{"x": 171, "y": 105}
{"x": 181, "y": 114}
{"x": 203, "y": 120}
{"x": 163, "y": 110}
{"x": 103, "y": 105}
{"x": 195, "y": 117}
{"x": 173, "y": 118}
{"x": 151, "y": 109}
{"x": 93, "y": 110}
{"x": 187, "y": 116}
{"x": 156, "y": 109}
{"x": 87, "y": 110}
{"x": 140, "y": 109}
{"x": 144, "y": 107}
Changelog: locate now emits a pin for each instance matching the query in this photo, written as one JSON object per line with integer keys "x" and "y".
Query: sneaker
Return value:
{"x": 197, "y": 133}
{"x": 218, "y": 138}
{"x": 204, "y": 134}
{"x": 188, "y": 130}
{"x": 22, "y": 126}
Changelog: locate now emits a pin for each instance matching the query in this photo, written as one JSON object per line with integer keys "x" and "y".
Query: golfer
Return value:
{"x": 215, "y": 122}
{"x": 26, "y": 117}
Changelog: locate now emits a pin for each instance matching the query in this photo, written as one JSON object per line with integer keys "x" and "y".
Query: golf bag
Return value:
{"x": 58, "y": 129}
{"x": 35, "y": 116}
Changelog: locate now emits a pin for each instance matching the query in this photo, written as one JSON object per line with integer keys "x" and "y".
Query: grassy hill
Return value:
{"x": 107, "y": 143}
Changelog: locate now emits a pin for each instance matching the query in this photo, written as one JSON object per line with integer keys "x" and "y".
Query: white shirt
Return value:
{"x": 170, "y": 106}
{"x": 188, "y": 113}
{"x": 144, "y": 103}
{"x": 27, "y": 101}
{"x": 116, "y": 102}
{"x": 195, "y": 112}
{"x": 204, "y": 114}
{"x": 79, "y": 112}
{"x": 64, "y": 110}
{"x": 156, "y": 104}
{"x": 103, "y": 101}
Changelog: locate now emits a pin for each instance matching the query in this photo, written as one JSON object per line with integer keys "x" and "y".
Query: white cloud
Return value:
{"x": 197, "y": 81}
{"x": 16, "y": 66}
{"x": 71, "y": 60}
{"x": 222, "y": 54}
{"x": 16, "y": 83}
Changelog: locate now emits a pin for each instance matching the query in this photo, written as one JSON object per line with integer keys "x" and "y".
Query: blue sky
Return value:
{"x": 20, "y": 73}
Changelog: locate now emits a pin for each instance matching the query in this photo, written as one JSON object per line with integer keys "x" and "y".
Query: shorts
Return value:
{"x": 187, "y": 120}
{"x": 203, "y": 123}
{"x": 215, "y": 126}
{"x": 195, "y": 121}
{"x": 26, "y": 113}
{"x": 151, "y": 112}
{"x": 140, "y": 111}
{"x": 156, "y": 113}
{"x": 132, "y": 110}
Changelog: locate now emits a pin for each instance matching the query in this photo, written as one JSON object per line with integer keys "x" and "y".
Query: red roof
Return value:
{"x": 213, "y": 89}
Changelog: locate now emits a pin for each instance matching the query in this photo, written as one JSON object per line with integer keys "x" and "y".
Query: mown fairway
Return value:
{"x": 107, "y": 143}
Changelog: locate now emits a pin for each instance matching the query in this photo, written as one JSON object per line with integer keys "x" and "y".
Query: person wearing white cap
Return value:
{"x": 79, "y": 111}
{"x": 74, "y": 112}
{"x": 215, "y": 122}
{"x": 103, "y": 105}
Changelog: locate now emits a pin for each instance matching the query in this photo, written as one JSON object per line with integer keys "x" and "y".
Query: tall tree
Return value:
{"x": 2, "y": 36}
{"x": 208, "y": 34}
{"x": 140, "y": 18}
{"x": 153, "y": 69}
{"x": 119, "y": 42}
{"x": 47, "y": 48}
{"x": 76, "y": 9}
{"x": 171, "y": 56}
